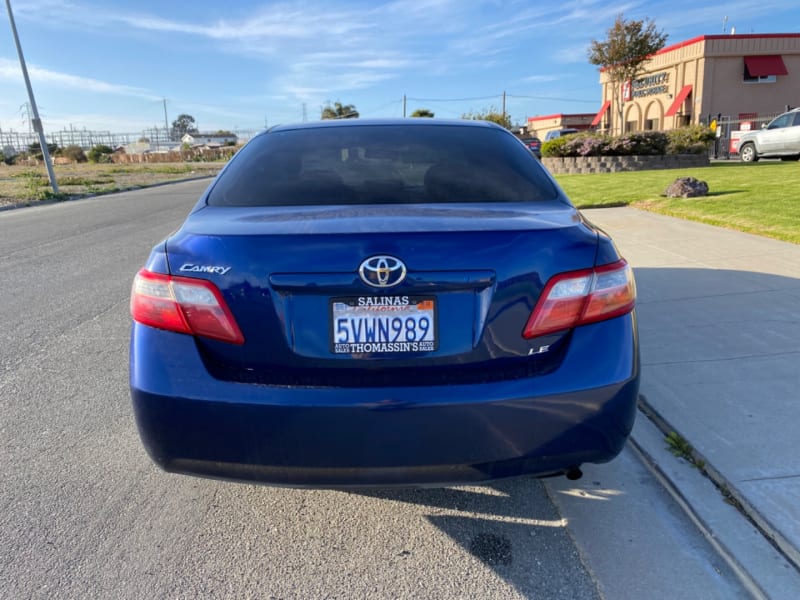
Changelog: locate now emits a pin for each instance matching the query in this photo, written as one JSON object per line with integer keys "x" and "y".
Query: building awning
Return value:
{"x": 599, "y": 116}
{"x": 678, "y": 102}
{"x": 764, "y": 66}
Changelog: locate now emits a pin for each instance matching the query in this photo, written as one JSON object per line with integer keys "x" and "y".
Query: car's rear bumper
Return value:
{"x": 331, "y": 437}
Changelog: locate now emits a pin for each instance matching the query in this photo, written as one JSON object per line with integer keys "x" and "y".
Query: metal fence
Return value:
{"x": 12, "y": 142}
{"x": 730, "y": 129}
{"x": 86, "y": 139}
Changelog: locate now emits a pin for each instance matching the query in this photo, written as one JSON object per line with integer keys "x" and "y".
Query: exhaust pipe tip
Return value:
{"x": 573, "y": 473}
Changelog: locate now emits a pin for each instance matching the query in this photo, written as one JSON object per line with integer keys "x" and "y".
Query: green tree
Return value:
{"x": 627, "y": 47}
{"x": 422, "y": 112}
{"x": 339, "y": 111}
{"x": 182, "y": 125}
{"x": 489, "y": 114}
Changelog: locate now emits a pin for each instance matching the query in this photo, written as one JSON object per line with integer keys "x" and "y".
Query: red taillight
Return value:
{"x": 581, "y": 297}
{"x": 183, "y": 305}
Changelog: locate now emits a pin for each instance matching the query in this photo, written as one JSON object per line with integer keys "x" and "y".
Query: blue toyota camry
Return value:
{"x": 356, "y": 303}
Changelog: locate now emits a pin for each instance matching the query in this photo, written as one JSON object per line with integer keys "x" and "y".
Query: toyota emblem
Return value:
{"x": 382, "y": 271}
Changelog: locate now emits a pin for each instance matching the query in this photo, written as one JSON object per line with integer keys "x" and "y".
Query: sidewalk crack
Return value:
{"x": 725, "y": 359}
{"x": 775, "y": 477}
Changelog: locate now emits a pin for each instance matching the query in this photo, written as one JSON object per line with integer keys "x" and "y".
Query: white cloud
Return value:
{"x": 310, "y": 51}
{"x": 572, "y": 54}
{"x": 541, "y": 78}
{"x": 10, "y": 71}
{"x": 310, "y": 46}
{"x": 94, "y": 122}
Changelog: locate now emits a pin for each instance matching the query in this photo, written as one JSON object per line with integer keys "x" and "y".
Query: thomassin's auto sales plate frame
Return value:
{"x": 383, "y": 324}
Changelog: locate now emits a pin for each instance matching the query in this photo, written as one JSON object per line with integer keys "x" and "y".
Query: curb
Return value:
{"x": 752, "y": 548}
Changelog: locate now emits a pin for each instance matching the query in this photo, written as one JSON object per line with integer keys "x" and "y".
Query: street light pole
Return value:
{"x": 37, "y": 122}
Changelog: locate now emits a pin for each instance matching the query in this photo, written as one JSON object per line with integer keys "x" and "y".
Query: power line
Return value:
{"x": 386, "y": 105}
{"x": 455, "y": 99}
{"x": 552, "y": 98}
{"x": 166, "y": 120}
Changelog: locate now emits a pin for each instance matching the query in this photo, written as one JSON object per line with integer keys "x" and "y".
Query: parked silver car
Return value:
{"x": 780, "y": 138}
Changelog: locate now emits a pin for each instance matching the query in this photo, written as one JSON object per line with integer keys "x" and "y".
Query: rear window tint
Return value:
{"x": 380, "y": 164}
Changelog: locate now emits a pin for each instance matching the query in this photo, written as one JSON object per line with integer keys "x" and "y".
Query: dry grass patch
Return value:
{"x": 26, "y": 185}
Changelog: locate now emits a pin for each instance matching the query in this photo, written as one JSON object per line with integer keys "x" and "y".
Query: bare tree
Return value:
{"x": 628, "y": 45}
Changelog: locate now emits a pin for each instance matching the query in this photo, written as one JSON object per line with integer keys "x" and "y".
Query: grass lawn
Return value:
{"x": 761, "y": 198}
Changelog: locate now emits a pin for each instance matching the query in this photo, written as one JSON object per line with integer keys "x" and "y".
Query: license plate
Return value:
{"x": 383, "y": 324}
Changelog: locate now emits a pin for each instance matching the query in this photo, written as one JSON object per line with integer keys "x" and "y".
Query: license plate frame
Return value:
{"x": 381, "y": 313}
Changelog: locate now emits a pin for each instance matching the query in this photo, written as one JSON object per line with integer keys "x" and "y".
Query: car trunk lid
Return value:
{"x": 289, "y": 275}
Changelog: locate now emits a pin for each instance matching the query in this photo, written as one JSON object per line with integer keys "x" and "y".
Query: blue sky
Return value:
{"x": 238, "y": 64}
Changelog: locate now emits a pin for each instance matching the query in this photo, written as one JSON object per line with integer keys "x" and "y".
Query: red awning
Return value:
{"x": 763, "y": 66}
{"x": 678, "y": 102}
{"x": 599, "y": 116}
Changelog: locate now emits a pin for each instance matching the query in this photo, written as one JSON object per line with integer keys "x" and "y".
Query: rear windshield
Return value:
{"x": 380, "y": 164}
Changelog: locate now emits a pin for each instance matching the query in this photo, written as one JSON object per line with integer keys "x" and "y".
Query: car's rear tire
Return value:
{"x": 788, "y": 158}
{"x": 747, "y": 153}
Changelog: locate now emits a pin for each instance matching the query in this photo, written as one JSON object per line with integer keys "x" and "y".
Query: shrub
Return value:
{"x": 20, "y": 159}
{"x": 100, "y": 154}
{"x": 579, "y": 144}
{"x": 7, "y": 155}
{"x": 639, "y": 143}
{"x": 695, "y": 139}
{"x": 35, "y": 150}
{"x": 555, "y": 147}
{"x": 74, "y": 152}
{"x": 587, "y": 144}
{"x": 687, "y": 140}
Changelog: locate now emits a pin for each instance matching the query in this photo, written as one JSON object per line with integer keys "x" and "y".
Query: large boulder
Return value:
{"x": 686, "y": 187}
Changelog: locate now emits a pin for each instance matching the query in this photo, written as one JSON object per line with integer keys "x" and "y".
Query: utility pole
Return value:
{"x": 166, "y": 120}
{"x": 25, "y": 110}
{"x": 504, "y": 108}
{"x": 404, "y": 106}
{"x": 37, "y": 122}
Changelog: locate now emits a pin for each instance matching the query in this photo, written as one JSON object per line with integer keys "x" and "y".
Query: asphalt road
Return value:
{"x": 85, "y": 514}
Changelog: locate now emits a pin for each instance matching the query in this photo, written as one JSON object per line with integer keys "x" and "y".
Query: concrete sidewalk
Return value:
{"x": 719, "y": 324}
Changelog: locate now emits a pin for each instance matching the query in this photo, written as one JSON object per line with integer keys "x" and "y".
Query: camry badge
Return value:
{"x": 382, "y": 271}
{"x": 192, "y": 268}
